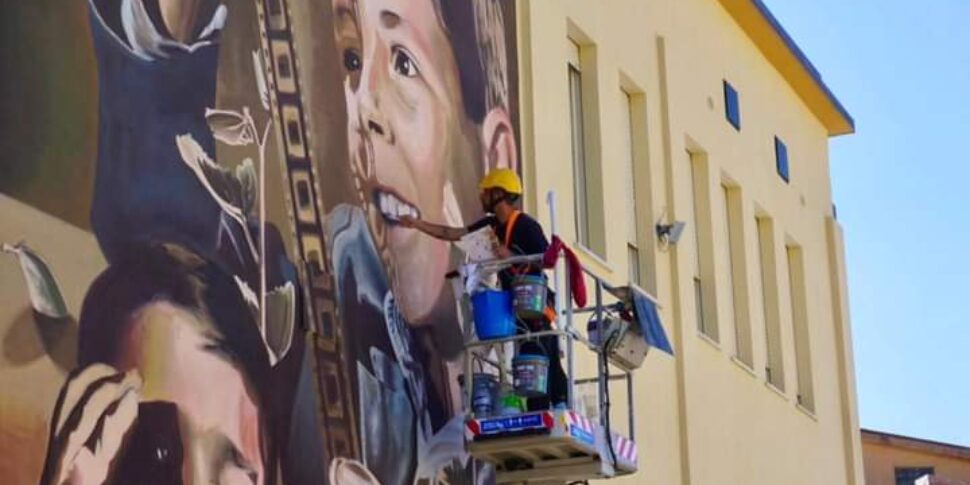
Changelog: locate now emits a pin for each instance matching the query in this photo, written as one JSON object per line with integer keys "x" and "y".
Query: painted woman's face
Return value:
{"x": 407, "y": 132}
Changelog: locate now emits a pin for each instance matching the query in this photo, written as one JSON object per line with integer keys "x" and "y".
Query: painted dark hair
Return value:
{"x": 170, "y": 273}
{"x": 476, "y": 29}
{"x": 173, "y": 274}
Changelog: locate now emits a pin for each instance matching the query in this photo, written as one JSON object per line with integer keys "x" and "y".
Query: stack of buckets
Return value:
{"x": 496, "y": 314}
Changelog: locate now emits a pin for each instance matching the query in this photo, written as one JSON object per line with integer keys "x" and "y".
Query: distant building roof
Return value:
{"x": 916, "y": 444}
{"x": 781, "y": 50}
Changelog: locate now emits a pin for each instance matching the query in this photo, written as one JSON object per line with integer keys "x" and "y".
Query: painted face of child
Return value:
{"x": 407, "y": 133}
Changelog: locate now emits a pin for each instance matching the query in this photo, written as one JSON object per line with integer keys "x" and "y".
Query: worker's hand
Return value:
{"x": 98, "y": 406}
{"x": 503, "y": 252}
{"x": 408, "y": 221}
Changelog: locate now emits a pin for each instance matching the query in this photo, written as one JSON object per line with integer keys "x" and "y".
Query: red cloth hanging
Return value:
{"x": 577, "y": 283}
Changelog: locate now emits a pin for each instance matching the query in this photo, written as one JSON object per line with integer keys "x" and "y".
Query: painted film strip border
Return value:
{"x": 337, "y": 413}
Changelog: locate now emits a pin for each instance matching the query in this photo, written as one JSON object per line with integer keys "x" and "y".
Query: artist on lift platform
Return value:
{"x": 520, "y": 235}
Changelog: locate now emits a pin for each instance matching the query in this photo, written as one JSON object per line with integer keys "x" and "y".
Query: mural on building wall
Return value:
{"x": 260, "y": 316}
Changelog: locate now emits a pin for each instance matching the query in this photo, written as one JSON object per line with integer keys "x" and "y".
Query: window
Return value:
{"x": 580, "y": 172}
{"x": 909, "y": 475}
{"x": 781, "y": 159}
{"x": 774, "y": 365}
{"x": 585, "y": 140}
{"x": 732, "y": 107}
{"x": 799, "y": 314}
{"x": 699, "y": 304}
{"x": 700, "y": 226}
{"x": 627, "y": 163}
{"x": 724, "y": 254}
{"x": 732, "y": 247}
{"x": 633, "y": 256}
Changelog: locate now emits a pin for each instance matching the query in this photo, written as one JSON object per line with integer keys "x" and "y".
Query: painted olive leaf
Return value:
{"x": 45, "y": 295}
{"x": 229, "y": 127}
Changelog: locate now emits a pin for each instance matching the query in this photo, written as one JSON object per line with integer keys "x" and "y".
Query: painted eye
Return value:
{"x": 403, "y": 63}
{"x": 352, "y": 60}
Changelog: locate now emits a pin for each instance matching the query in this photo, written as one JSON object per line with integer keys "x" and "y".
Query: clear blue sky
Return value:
{"x": 902, "y": 69}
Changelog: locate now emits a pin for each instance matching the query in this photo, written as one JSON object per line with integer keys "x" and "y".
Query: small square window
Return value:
{"x": 781, "y": 159}
{"x": 910, "y": 475}
{"x": 732, "y": 108}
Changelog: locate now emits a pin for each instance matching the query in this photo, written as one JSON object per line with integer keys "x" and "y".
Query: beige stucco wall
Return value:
{"x": 881, "y": 462}
{"x": 702, "y": 417}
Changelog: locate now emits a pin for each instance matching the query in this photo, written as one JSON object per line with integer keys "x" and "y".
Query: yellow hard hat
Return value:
{"x": 502, "y": 178}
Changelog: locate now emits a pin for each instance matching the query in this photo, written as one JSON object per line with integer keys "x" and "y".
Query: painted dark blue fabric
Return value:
{"x": 143, "y": 191}
{"x": 649, "y": 319}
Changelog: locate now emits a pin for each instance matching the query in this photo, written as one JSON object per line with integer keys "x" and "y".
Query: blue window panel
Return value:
{"x": 781, "y": 159}
{"x": 732, "y": 108}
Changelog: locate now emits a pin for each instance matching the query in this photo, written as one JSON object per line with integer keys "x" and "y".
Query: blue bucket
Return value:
{"x": 493, "y": 314}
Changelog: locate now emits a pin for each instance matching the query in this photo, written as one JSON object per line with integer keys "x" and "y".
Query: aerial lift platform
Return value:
{"x": 575, "y": 444}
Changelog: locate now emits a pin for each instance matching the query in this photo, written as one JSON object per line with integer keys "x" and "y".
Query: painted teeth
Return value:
{"x": 394, "y": 208}
{"x": 385, "y": 203}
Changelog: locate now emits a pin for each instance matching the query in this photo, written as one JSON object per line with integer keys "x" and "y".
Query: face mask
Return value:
{"x": 491, "y": 200}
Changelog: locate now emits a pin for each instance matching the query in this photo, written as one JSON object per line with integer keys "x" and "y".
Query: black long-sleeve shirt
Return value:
{"x": 527, "y": 238}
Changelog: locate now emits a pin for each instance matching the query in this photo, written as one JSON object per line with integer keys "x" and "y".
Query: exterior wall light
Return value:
{"x": 669, "y": 234}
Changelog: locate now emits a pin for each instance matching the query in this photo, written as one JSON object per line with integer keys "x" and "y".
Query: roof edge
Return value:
{"x": 783, "y": 52}
{"x": 920, "y": 444}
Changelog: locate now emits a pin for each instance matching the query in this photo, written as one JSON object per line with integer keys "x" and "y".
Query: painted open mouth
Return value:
{"x": 392, "y": 205}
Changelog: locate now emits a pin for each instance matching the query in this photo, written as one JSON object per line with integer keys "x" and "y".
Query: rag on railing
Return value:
{"x": 577, "y": 283}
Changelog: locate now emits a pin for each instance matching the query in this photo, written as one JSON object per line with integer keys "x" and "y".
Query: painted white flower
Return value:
{"x": 222, "y": 184}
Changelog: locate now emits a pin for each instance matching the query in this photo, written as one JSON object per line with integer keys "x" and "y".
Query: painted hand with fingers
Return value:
{"x": 95, "y": 410}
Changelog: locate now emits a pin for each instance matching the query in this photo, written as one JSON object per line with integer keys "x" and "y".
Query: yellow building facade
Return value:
{"x": 634, "y": 112}
{"x": 754, "y": 294}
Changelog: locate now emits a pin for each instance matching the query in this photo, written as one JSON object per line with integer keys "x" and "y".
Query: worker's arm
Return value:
{"x": 446, "y": 233}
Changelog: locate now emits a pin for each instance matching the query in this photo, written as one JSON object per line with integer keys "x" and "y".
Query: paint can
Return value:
{"x": 599, "y": 332}
{"x": 512, "y": 404}
{"x": 530, "y": 374}
{"x": 529, "y": 296}
{"x": 484, "y": 390}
